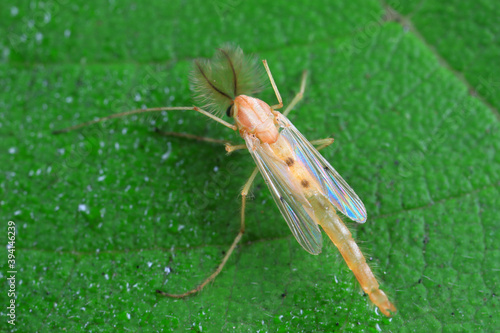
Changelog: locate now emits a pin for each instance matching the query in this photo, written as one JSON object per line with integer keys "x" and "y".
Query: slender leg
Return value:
{"x": 299, "y": 95}
{"x": 244, "y": 194}
{"x": 278, "y": 96}
{"x": 128, "y": 113}
{"x": 230, "y": 148}
{"x": 321, "y": 143}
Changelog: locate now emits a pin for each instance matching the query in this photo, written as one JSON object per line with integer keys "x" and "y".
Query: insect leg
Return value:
{"x": 322, "y": 143}
{"x": 278, "y": 96}
{"x": 230, "y": 148}
{"x": 299, "y": 95}
{"x": 244, "y": 193}
{"x": 137, "y": 111}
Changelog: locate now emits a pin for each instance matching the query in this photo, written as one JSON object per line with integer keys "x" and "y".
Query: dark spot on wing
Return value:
{"x": 304, "y": 183}
{"x": 289, "y": 161}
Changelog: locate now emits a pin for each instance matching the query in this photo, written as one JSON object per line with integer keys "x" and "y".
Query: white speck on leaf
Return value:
{"x": 83, "y": 208}
{"x": 5, "y": 55}
{"x": 101, "y": 178}
{"x": 67, "y": 33}
{"x": 14, "y": 11}
{"x": 168, "y": 152}
{"x": 12, "y": 150}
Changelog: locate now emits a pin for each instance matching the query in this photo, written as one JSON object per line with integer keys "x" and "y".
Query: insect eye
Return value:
{"x": 229, "y": 111}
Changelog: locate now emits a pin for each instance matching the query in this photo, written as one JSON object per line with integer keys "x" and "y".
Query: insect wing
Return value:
{"x": 293, "y": 205}
{"x": 339, "y": 192}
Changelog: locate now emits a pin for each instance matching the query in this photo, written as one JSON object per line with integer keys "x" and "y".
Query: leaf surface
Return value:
{"x": 107, "y": 215}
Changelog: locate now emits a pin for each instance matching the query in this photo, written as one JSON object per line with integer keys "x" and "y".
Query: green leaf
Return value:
{"x": 107, "y": 215}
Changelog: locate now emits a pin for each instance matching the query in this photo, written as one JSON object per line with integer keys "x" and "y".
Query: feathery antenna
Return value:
{"x": 216, "y": 82}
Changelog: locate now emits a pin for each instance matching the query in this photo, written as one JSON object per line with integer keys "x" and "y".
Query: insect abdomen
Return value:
{"x": 354, "y": 258}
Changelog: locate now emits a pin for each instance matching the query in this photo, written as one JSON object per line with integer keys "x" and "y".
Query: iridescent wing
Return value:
{"x": 293, "y": 205}
{"x": 334, "y": 186}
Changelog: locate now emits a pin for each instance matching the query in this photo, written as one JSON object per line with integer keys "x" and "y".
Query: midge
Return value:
{"x": 306, "y": 188}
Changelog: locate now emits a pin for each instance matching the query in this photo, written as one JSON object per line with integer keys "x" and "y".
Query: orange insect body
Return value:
{"x": 259, "y": 124}
{"x": 256, "y": 117}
